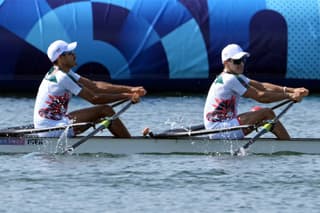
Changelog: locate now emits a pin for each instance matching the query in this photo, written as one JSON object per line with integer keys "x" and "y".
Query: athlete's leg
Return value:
{"x": 95, "y": 114}
{"x": 258, "y": 117}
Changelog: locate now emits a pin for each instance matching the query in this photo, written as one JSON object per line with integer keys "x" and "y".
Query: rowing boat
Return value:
{"x": 147, "y": 145}
{"x": 184, "y": 141}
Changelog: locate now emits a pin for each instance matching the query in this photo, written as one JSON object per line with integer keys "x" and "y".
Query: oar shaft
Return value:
{"x": 29, "y": 129}
{"x": 104, "y": 124}
{"x": 283, "y": 111}
{"x": 280, "y": 104}
{"x": 15, "y": 132}
{"x": 199, "y": 132}
{"x": 265, "y": 128}
{"x": 200, "y": 129}
{"x": 84, "y": 139}
{"x": 252, "y": 140}
{"x": 119, "y": 102}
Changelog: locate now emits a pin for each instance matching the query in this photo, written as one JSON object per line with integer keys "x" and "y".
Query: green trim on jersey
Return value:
{"x": 50, "y": 77}
{"x": 53, "y": 78}
{"x": 219, "y": 80}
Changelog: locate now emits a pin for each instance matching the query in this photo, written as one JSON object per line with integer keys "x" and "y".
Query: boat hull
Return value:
{"x": 138, "y": 145}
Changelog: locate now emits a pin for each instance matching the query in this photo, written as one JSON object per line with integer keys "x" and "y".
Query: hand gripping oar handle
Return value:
{"x": 103, "y": 124}
{"x": 265, "y": 128}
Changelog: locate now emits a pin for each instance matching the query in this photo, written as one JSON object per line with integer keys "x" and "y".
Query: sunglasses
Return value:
{"x": 239, "y": 61}
{"x": 68, "y": 53}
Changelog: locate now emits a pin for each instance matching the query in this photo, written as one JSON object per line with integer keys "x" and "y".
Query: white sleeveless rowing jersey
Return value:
{"x": 222, "y": 100}
{"x": 53, "y": 97}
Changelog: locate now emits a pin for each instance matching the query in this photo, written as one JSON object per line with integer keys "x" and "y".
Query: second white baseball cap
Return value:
{"x": 233, "y": 51}
{"x": 58, "y": 47}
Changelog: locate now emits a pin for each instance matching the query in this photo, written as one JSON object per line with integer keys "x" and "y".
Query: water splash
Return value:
{"x": 62, "y": 142}
{"x": 239, "y": 153}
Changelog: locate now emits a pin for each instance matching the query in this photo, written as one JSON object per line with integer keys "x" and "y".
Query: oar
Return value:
{"x": 201, "y": 126}
{"x": 280, "y": 104}
{"x": 103, "y": 124}
{"x": 29, "y": 129}
{"x": 17, "y": 132}
{"x": 265, "y": 128}
{"x": 118, "y": 103}
{"x": 199, "y": 129}
{"x": 170, "y": 134}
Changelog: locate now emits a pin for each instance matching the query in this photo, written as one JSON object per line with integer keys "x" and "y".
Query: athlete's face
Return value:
{"x": 69, "y": 59}
{"x": 236, "y": 66}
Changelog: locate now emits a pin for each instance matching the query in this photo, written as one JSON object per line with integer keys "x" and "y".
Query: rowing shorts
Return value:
{"x": 236, "y": 134}
{"x": 52, "y": 123}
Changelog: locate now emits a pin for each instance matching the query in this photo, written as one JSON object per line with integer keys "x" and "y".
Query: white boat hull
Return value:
{"x": 138, "y": 145}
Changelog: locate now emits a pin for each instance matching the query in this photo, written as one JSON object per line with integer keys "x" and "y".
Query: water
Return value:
{"x": 39, "y": 182}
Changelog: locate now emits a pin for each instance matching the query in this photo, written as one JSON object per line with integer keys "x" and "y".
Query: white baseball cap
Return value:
{"x": 233, "y": 51}
{"x": 58, "y": 47}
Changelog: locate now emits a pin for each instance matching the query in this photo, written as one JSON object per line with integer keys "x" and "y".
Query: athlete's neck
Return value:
{"x": 64, "y": 69}
{"x": 230, "y": 72}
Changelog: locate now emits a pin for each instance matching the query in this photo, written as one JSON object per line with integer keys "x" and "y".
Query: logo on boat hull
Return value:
{"x": 35, "y": 141}
{"x": 12, "y": 141}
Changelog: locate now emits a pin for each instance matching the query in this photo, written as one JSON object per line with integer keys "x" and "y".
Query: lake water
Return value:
{"x": 40, "y": 182}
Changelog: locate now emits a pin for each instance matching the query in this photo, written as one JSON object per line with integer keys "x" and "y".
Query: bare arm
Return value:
{"x": 104, "y": 87}
{"x": 267, "y": 93}
{"x": 266, "y": 86}
{"x": 276, "y": 88}
{"x": 264, "y": 96}
{"x": 102, "y": 98}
